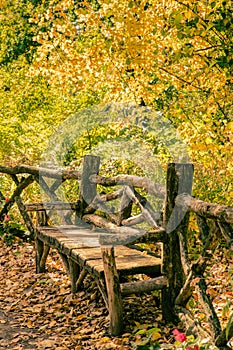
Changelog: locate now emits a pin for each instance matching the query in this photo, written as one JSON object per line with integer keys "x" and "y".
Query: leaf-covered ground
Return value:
{"x": 37, "y": 311}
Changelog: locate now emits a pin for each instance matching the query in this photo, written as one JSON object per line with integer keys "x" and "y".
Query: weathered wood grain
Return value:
{"x": 113, "y": 291}
{"x": 145, "y": 286}
{"x": 208, "y": 210}
{"x": 136, "y": 181}
{"x": 52, "y": 173}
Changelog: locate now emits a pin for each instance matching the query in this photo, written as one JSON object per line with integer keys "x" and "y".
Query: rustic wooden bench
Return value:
{"x": 92, "y": 238}
{"x": 82, "y": 253}
{"x": 107, "y": 246}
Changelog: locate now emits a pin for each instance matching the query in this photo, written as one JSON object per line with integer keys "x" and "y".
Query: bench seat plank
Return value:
{"x": 82, "y": 245}
{"x": 129, "y": 265}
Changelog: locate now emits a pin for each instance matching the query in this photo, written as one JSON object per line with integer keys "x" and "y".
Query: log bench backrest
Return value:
{"x": 89, "y": 201}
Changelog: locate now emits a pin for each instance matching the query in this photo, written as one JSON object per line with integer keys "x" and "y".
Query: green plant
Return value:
{"x": 146, "y": 337}
{"x": 182, "y": 341}
{"x": 9, "y": 229}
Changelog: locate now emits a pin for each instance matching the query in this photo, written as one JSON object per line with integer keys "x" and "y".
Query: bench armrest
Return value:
{"x": 52, "y": 206}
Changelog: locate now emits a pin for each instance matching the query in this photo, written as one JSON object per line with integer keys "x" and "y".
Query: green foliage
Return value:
{"x": 57, "y": 57}
{"x": 147, "y": 336}
{"x": 10, "y": 228}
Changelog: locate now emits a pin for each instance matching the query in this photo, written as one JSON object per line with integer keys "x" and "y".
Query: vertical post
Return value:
{"x": 113, "y": 290}
{"x": 91, "y": 166}
{"x": 125, "y": 207}
{"x": 179, "y": 180}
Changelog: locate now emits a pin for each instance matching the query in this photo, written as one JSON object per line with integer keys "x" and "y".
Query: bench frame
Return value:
{"x": 171, "y": 277}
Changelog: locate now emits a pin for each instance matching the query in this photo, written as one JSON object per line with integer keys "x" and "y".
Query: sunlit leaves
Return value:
{"x": 176, "y": 56}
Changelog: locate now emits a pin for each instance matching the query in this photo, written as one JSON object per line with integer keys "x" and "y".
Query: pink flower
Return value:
{"x": 181, "y": 337}
{"x": 7, "y": 218}
{"x": 7, "y": 200}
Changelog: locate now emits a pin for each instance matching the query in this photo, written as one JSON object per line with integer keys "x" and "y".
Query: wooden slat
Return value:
{"x": 129, "y": 265}
{"x": 95, "y": 253}
{"x": 83, "y": 246}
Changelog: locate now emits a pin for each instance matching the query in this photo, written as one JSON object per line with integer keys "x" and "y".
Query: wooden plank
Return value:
{"x": 74, "y": 245}
{"x": 84, "y": 255}
{"x": 128, "y": 260}
{"x": 64, "y": 245}
{"x": 50, "y": 234}
{"x": 95, "y": 253}
{"x": 67, "y": 242}
{"x": 130, "y": 265}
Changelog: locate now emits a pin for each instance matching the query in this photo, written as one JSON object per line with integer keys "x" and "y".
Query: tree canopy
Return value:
{"x": 175, "y": 56}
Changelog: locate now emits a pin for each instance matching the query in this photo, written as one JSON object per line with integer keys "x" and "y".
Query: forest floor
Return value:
{"x": 37, "y": 311}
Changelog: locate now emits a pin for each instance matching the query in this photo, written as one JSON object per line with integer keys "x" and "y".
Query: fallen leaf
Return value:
{"x": 47, "y": 344}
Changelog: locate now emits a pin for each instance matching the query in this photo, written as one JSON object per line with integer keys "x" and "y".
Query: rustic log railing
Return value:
{"x": 221, "y": 227}
{"x": 112, "y": 249}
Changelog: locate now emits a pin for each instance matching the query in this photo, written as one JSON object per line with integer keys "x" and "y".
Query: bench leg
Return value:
{"x": 72, "y": 269}
{"x": 65, "y": 262}
{"x": 81, "y": 278}
{"x": 102, "y": 288}
{"x": 74, "y": 274}
{"x": 113, "y": 291}
{"x": 42, "y": 251}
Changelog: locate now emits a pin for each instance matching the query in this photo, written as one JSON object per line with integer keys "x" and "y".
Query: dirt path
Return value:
{"x": 37, "y": 311}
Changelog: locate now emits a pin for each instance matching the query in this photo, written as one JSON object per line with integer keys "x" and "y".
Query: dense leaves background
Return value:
{"x": 57, "y": 57}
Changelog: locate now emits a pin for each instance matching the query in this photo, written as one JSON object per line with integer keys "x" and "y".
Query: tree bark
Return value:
{"x": 20, "y": 187}
{"x": 135, "y": 181}
{"x": 52, "y": 173}
{"x": 143, "y": 286}
{"x": 26, "y": 217}
{"x": 179, "y": 180}
{"x": 88, "y": 192}
{"x": 208, "y": 210}
{"x": 145, "y": 208}
{"x": 125, "y": 209}
{"x": 113, "y": 291}
{"x": 74, "y": 270}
